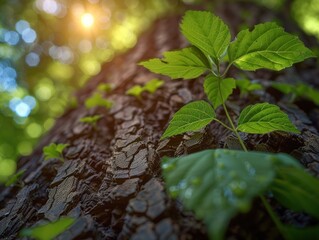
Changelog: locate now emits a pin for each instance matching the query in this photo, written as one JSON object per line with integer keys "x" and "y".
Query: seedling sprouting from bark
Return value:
{"x": 217, "y": 184}
{"x": 54, "y": 151}
{"x": 92, "y": 120}
{"x": 151, "y": 87}
{"x": 48, "y": 231}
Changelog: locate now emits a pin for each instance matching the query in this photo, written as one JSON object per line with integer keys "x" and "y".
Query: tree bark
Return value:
{"x": 111, "y": 181}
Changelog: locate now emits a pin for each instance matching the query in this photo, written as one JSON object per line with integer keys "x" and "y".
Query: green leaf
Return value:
{"x": 293, "y": 233}
{"x": 54, "y": 151}
{"x": 246, "y": 86}
{"x": 218, "y": 89}
{"x": 152, "y": 85}
{"x": 207, "y": 32}
{"x": 264, "y": 118}
{"x": 135, "y": 91}
{"x": 285, "y": 88}
{"x": 296, "y": 189}
{"x": 48, "y": 231}
{"x": 191, "y": 117}
{"x": 187, "y": 63}
{"x": 217, "y": 184}
{"x": 267, "y": 46}
{"x": 14, "y": 178}
{"x": 91, "y": 119}
{"x": 105, "y": 87}
{"x": 97, "y": 100}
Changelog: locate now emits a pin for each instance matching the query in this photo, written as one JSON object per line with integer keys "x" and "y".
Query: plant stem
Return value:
{"x": 220, "y": 122}
{"x": 273, "y": 215}
{"x": 226, "y": 70}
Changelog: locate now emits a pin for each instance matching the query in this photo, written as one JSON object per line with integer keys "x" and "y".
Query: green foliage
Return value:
{"x": 105, "y": 87}
{"x": 297, "y": 190}
{"x": 299, "y": 90}
{"x": 267, "y": 46}
{"x": 48, "y": 231}
{"x": 151, "y": 87}
{"x": 217, "y": 184}
{"x": 91, "y": 119}
{"x": 187, "y": 63}
{"x": 97, "y": 100}
{"x": 14, "y": 179}
{"x": 207, "y": 32}
{"x": 264, "y": 118}
{"x": 218, "y": 89}
{"x": 191, "y": 117}
{"x": 54, "y": 151}
{"x": 246, "y": 86}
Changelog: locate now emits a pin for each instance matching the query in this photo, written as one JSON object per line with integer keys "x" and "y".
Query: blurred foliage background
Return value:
{"x": 49, "y": 48}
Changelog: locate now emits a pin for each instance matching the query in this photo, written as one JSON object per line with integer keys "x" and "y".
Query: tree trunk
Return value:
{"x": 111, "y": 181}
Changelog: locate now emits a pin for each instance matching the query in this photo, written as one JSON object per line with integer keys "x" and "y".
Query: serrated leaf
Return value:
{"x": 267, "y": 46}
{"x": 54, "y": 151}
{"x": 217, "y": 184}
{"x": 264, "y": 118}
{"x": 218, "y": 89}
{"x": 207, "y": 32}
{"x": 191, "y": 117}
{"x": 296, "y": 189}
{"x": 187, "y": 63}
{"x": 152, "y": 85}
{"x": 48, "y": 231}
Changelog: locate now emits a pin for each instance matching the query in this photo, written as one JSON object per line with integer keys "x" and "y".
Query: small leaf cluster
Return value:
{"x": 151, "y": 87}
{"x": 91, "y": 119}
{"x": 48, "y": 231}
{"x": 54, "y": 151}
{"x": 97, "y": 99}
{"x": 217, "y": 184}
{"x": 15, "y": 178}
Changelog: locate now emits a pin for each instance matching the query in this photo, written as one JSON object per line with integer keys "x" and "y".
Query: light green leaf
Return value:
{"x": 218, "y": 89}
{"x": 97, "y": 100}
{"x": 246, "y": 86}
{"x": 54, "y": 151}
{"x": 264, "y": 118}
{"x": 135, "y": 91}
{"x": 48, "y": 231}
{"x": 267, "y": 46}
{"x": 217, "y": 184}
{"x": 207, "y": 32}
{"x": 187, "y": 63}
{"x": 13, "y": 179}
{"x": 191, "y": 117}
{"x": 296, "y": 189}
{"x": 91, "y": 119}
{"x": 152, "y": 85}
{"x": 105, "y": 87}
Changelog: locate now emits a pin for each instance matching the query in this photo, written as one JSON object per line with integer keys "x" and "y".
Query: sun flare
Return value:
{"x": 87, "y": 20}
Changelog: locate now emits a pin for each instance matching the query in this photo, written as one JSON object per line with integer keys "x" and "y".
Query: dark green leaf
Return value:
{"x": 296, "y": 189}
{"x": 48, "y": 231}
{"x": 14, "y": 178}
{"x": 264, "y": 118}
{"x": 191, "y": 117}
{"x": 267, "y": 46}
{"x": 187, "y": 63}
{"x": 218, "y": 89}
{"x": 217, "y": 184}
{"x": 207, "y": 32}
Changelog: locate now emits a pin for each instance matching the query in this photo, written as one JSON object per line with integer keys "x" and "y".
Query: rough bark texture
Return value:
{"x": 111, "y": 179}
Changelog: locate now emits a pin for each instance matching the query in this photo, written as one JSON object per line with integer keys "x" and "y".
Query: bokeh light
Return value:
{"x": 87, "y": 20}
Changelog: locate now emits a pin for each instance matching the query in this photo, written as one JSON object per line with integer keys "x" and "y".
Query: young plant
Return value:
{"x": 15, "y": 179}
{"x": 48, "y": 231}
{"x": 217, "y": 184}
{"x": 151, "y": 87}
{"x": 54, "y": 151}
{"x": 91, "y": 120}
{"x": 301, "y": 90}
{"x": 97, "y": 100}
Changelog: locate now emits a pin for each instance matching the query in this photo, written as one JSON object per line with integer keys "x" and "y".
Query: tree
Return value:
{"x": 110, "y": 181}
